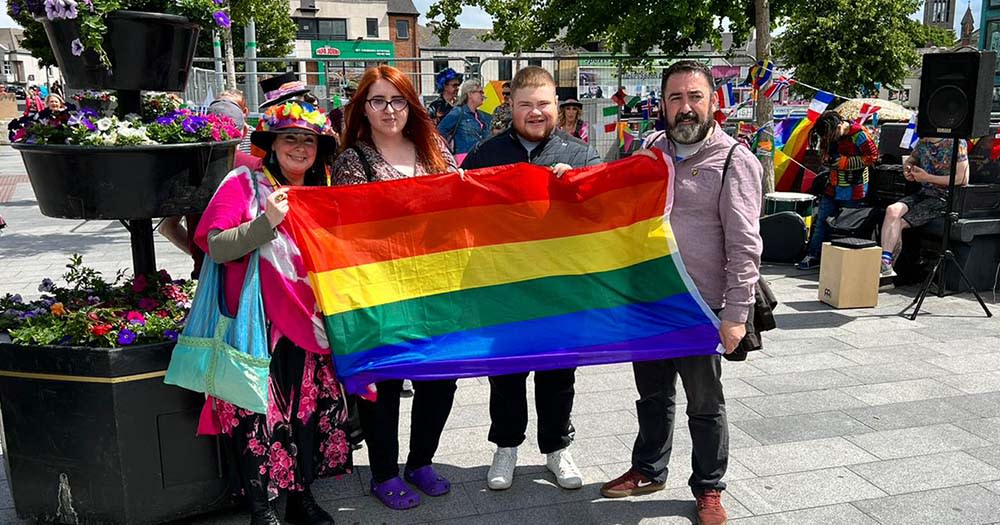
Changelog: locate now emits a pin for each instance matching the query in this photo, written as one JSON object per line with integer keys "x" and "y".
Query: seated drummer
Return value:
{"x": 929, "y": 164}
{"x": 848, "y": 150}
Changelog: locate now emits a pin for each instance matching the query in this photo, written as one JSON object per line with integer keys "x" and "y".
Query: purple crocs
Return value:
{"x": 428, "y": 480}
{"x": 395, "y": 494}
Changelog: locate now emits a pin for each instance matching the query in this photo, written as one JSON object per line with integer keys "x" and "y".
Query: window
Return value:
{"x": 535, "y": 62}
{"x": 332, "y": 29}
{"x": 402, "y": 29}
{"x": 6, "y": 68}
{"x": 505, "y": 69}
{"x": 472, "y": 64}
{"x": 440, "y": 63}
{"x": 321, "y": 28}
{"x": 372, "y": 27}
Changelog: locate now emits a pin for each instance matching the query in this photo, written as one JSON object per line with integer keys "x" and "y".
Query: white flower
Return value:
{"x": 104, "y": 124}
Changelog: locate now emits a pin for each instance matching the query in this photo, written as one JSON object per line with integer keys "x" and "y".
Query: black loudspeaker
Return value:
{"x": 890, "y": 136}
{"x": 956, "y": 94}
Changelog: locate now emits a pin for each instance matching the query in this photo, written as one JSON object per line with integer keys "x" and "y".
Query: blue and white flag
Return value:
{"x": 910, "y": 135}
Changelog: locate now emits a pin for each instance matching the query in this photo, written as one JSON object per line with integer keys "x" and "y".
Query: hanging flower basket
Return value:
{"x": 137, "y": 182}
{"x": 146, "y": 51}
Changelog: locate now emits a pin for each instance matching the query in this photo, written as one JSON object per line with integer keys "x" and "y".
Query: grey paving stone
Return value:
{"x": 914, "y": 414}
{"x": 769, "y": 460}
{"x": 802, "y": 427}
{"x": 968, "y": 363}
{"x": 986, "y": 428}
{"x": 876, "y": 326}
{"x": 916, "y": 441}
{"x": 801, "y": 363}
{"x": 901, "y": 391}
{"x": 975, "y": 383}
{"x": 885, "y": 340}
{"x": 348, "y": 486}
{"x": 738, "y": 388}
{"x": 800, "y": 381}
{"x": 969, "y": 505}
{"x": 607, "y": 424}
{"x": 986, "y": 404}
{"x": 737, "y": 411}
{"x": 803, "y": 346}
{"x": 875, "y": 354}
{"x": 615, "y": 382}
{"x": 801, "y": 490}
{"x": 948, "y": 469}
{"x": 890, "y": 372}
{"x": 973, "y": 345}
{"x": 843, "y": 514}
{"x": 990, "y": 455}
{"x": 739, "y": 369}
{"x": 993, "y": 487}
{"x": 806, "y": 333}
{"x": 801, "y": 403}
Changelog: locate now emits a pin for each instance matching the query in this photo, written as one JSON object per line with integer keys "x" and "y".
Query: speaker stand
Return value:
{"x": 946, "y": 254}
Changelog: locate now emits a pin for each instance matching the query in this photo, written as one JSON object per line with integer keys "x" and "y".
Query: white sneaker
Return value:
{"x": 562, "y": 465}
{"x": 501, "y": 474}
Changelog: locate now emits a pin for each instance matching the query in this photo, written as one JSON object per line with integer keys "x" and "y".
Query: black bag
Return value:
{"x": 820, "y": 183}
{"x": 761, "y": 316}
{"x": 853, "y": 222}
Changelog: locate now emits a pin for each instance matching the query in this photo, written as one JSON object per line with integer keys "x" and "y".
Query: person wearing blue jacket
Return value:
{"x": 465, "y": 125}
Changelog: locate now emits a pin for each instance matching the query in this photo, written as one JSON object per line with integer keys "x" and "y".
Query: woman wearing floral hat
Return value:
{"x": 447, "y": 82}
{"x": 303, "y": 435}
{"x": 388, "y": 136}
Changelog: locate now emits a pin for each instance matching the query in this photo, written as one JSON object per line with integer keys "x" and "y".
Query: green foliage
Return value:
{"x": 849, "y": 45}
{"x": 275, "y": 31}
{"x": 90, "y": 311}
{"x": 634, "y": 28}
{"x": 925, "y": 36}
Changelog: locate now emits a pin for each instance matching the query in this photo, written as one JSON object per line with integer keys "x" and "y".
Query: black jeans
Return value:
{"x": 706, "y": 410}
{"x": 553, "y": 403}
{"x": 432, "y": 402}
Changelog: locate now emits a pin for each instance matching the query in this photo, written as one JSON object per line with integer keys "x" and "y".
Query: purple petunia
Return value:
{"x": 46, "y": 285}
{"x": 57, "y": 9}
{"x": 194, "y": 123}
{"x": 15, "y": 8}
{"x": 170, "y": 335}
{"x": 126, "y": 337}
{"x": 165, "y": 120}
{"x": 221, "y": 18}
{"x": 30, "y": 314}
{"x": 16, "y": 298}
{"x": 76, "y": 46}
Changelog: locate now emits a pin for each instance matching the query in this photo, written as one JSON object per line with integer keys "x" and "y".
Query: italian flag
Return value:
{"x": 609, "y": 116}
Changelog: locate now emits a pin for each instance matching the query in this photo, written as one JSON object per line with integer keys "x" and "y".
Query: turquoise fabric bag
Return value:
{"x": 224, "y": 357}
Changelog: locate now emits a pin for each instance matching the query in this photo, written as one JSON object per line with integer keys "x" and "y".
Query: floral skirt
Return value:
{"x": 303, "y": 436}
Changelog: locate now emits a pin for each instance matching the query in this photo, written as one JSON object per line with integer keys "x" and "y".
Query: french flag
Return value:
{"x": 818, "y": 105}
{"x": 725, "y": 95}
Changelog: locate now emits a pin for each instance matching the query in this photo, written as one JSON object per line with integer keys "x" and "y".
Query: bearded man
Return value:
{"x": 716, "y": 204}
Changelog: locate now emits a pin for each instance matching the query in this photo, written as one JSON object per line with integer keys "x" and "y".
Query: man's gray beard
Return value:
{"x": 691, "y": 133}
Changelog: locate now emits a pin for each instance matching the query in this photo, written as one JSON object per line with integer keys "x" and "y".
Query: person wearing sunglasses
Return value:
{"x": 389, "y": 136}
{"x": 446, "y": 82}
{"x": 502, "y": 115}
{"x": 466, "y": 125}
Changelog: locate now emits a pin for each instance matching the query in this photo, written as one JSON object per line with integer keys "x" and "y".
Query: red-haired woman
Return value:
{"x": 388, "y": 135}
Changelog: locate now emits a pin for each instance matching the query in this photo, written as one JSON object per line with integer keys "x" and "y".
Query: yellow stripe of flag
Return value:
{"x": 375, "y": 284}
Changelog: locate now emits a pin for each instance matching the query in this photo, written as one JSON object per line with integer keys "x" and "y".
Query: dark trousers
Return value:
{"x": 553, "y": 403}
{"x": 432, "y": 402}
{"x": 706, "y": 410}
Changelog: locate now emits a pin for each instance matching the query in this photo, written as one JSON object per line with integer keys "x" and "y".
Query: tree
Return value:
{"x": 633, "y": 28}
{"x": 926, "y": 36}
{"x": 275, "y": 37}
{"x": 849, "y": 45}
{"x": 275, "y": 31}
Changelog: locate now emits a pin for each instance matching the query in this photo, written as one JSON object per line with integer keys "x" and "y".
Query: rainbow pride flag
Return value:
{"x": 506, "y": 270}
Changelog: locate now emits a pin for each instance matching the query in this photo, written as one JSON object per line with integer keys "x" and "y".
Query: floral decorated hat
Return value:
{"x": 293, "y": 117}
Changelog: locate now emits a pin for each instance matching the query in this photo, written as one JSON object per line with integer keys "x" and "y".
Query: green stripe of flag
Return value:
{"x": 610, "y": 111}
{"x": 367, "y": 328}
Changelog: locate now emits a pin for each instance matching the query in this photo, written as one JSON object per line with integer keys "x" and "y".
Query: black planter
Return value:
{"x": 95, "y": 436}
{"x": 148, "y": 51}
{"x": 141, "y": 182}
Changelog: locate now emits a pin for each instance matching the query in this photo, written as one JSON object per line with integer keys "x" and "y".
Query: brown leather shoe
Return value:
{"x": 631, "y": 483}
{"x": 710, "y": 511}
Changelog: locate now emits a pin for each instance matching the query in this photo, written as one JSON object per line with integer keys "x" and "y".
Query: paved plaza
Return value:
{"x": 846, "y": 417}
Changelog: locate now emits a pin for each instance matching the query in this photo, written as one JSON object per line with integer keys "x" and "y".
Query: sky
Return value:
{"x": 477, "y": 18}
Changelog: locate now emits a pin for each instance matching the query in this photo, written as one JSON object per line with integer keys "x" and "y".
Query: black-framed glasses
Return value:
{"x": 506, "y": 93}
{"x": 379, "y": 103}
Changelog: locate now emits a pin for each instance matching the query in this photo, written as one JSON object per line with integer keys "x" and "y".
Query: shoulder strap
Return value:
{"x": 729, "y": 158}
{"x": 369, "y": 173}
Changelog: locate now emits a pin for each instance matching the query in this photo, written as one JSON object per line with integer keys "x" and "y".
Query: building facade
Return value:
{"x": 19, "y": 67}
{"x": 338, "y": 39}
